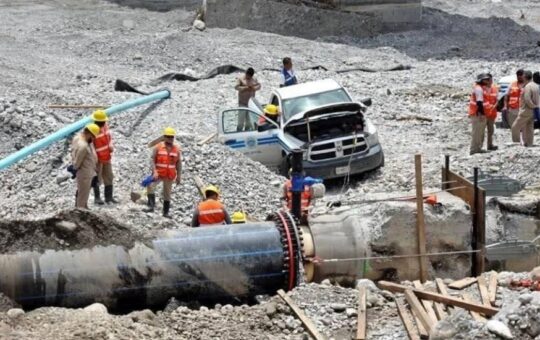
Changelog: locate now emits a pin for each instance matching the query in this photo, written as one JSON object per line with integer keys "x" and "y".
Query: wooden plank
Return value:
{"x": 492, "y": 287}
{"x": 407, "y": 322}
{"x": 310, "y": 326}
{"x": 60, "y": 106}
{"x": 420, "y": 226}
{"x": 207, "y": 139}
{"x": 466, "y": 193}
{"x": 448, "y": 300}
{"x": 442, "y": 289}
{"x": 361, "y": 328}
{"x": 460, "y": 284}
{"x": 482, "y": 287}
{"x": 156, "y": 141}
{"x": 439, "y": 310}
{"x": 480, "y": 215}
{"x": 428, "y": 305}
{"x": 419, "y": 311}
{"x": 475, "y": 315}
{"x": 199, "y": 184}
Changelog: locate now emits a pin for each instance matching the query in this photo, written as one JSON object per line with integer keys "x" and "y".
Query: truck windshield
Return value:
{"x": 300, "y": 104}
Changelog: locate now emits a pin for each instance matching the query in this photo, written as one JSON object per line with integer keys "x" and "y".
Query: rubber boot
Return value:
{"x": 151, "y": 203}
{"x": 97, "y": 198}
{"x": 109, "y": 195}
{"x": 166, "y": 208}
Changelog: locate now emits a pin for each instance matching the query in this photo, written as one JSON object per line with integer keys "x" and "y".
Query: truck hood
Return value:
{"x": 330, "y": 110}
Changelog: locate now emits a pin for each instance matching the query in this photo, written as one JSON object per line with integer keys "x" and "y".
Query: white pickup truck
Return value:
{"x": 318, "y": 117}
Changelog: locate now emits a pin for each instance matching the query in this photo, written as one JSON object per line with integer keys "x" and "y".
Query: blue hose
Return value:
{"x": 74, "y": 127}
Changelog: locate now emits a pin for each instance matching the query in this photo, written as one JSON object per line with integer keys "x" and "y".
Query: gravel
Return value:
{"x": 57, "y": 52}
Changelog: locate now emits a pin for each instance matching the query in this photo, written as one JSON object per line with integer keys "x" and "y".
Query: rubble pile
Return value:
{"x": 61, "y": 52}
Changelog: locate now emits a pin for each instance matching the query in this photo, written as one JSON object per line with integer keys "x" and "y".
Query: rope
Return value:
{"x": 319, "y": 260}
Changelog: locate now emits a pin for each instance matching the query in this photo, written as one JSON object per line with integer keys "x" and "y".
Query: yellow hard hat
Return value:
{"x": 238, "y": 217}
{"x": 99, "y": 116}
{"x": 93, "y": 128}
{"x": 169, "y": 131}
{"x": 211, "y": 188}
{"x": 271, "y": 109}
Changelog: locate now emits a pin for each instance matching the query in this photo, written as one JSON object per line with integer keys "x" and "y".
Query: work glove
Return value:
{"x": 71, "y": 169}
{"x": 536, "y": 112}
{"x": 480, "y": 110}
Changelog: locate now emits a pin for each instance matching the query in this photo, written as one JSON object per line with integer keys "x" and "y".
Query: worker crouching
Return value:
{"x": 84, "y": 160}
{"x": 210, "y": 211}
{"x": 166, "y": 167}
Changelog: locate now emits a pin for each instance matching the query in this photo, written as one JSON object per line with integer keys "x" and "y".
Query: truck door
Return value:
{"x": 238, "y": 129}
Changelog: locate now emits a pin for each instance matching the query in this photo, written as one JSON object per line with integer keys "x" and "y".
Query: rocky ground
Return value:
{"x": 60, "y": 52}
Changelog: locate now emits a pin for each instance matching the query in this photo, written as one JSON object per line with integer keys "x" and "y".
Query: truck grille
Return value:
{"x": 337, "y": 148}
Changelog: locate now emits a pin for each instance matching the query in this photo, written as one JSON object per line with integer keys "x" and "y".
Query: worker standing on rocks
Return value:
{"x": 528, "y": 103}
{"x": 477, "y": 112}
{"x": 210, "y": 211}
{"x": 305, "y": 198}
{"x": 104, "y": 148}
{"x": 288, "y": 77}
{"x": 511, "y": 100}
{"x": 84, "y": 160}
{"x": 491, "y": 111}
{"x": 166, "y": 167}
{"x": 246, "y": 85}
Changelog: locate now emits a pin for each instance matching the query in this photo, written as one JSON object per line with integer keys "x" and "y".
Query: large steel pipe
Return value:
{"x": 213, "y": 263}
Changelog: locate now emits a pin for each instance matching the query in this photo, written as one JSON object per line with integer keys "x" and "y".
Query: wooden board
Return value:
{"x": 428, "y": 305}
{"x": 442, "y": 289}
{"x": 475, "y": 315}
{"x": 492, "y": 287}
{"x": 419, "y": 311}
{"x": 60, "y": 106}
{"x": 448, "y": 300}
{"x": 407, "y": 322}
{"x": 310, "y": 326}
{"x": 460, "y": 284}
{"x": 156, "y": 141}
{"x": 199, "y": 184}
{"x": 420, "y": 225}
{"x": 482, "y": 287}
{"x": 361, "y": 328}
{"x": 207, "y": 139}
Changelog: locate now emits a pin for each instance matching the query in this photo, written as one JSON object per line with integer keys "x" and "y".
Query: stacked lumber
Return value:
{"x": 421, "y": 307}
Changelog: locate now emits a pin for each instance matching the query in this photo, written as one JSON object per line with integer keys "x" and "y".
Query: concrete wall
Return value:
{"x": 287, "y": 19}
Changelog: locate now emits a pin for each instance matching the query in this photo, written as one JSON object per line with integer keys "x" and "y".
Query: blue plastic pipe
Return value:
{"x": 74, "y": 127}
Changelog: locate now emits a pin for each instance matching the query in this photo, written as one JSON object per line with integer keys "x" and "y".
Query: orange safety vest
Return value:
{"x": 513, "y": 95}
{"x": 166, "y": 161}
{"x": 491, "y": 112}
{"x": 472, "y": 101}
{"x": 211, "y": 212}
{"x": 103, "y": 145}
{"x": 306, "y": 196}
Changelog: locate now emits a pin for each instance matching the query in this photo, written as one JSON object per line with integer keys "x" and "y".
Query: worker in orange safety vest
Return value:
{"x": 103, "y": 145}
{"x": 511, "y": 100}
{"x": 210, "y": 211}
{"x": 492, "y": 92}
{"x": 305, "y": 197}
{"x": 167, "y": 168}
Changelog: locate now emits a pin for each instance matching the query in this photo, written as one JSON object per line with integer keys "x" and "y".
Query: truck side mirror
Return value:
{"x": 366, "y": 101}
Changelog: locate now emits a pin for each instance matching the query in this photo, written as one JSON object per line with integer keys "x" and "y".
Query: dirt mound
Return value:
{"x": 71, "y": 229}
